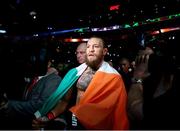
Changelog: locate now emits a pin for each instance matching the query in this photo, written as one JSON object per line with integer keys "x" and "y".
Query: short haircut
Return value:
{"x": 102, "y": 40}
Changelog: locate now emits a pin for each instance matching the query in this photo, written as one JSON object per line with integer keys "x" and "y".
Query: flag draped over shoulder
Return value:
{"x": 63, "y": 87}
{"x": 103, "y": 105}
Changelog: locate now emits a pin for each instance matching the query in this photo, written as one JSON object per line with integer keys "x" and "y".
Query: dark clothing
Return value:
{"x": 23, "y": 111}
{"x": 127, "y": 79}
{"x": 162, "y": 112}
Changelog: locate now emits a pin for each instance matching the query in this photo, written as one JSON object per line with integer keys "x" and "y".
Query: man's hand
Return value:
{"x": 141, "y": 70}
{"x": 40, "y": 122}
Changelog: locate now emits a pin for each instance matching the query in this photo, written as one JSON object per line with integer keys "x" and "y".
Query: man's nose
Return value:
{"x": 91, "y": 48}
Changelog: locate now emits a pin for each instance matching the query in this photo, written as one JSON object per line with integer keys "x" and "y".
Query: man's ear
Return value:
{"x": 105, "y": 50}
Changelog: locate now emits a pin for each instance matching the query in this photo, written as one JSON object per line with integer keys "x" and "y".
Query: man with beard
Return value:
{"x": 100, "y": 101}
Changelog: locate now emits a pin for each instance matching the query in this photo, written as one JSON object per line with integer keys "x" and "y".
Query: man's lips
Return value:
{"x": 91, "y": 55}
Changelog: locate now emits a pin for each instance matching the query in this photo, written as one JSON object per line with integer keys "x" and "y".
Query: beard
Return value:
{"x": 94, "y": 64}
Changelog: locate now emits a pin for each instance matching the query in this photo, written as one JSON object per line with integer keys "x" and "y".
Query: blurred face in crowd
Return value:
{"x": 95, "y": 52}
{"x": 81, "y": 53}
{"x": 124, "y": 64}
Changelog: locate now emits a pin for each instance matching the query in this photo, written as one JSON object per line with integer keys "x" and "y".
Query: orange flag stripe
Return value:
{"x": 103, "y": 105}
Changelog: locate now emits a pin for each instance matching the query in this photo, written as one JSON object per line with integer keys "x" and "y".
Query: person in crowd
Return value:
{"x": 51, "y": 122}
{"x": 81, "y": 53}
{"x": 124, "y": 64}
{"x": 19, "y": 114}
{"x": 126, "y": 70}
{"x": 154, "y": 93}
{"x": 100, "y": 99}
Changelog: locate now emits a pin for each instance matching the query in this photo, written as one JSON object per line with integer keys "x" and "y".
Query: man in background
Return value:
{"x": 18, "y": 114}
{"x": 81, "y": 53}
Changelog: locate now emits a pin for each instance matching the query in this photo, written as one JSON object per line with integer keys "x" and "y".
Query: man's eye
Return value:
{"x": 96, "y": 46}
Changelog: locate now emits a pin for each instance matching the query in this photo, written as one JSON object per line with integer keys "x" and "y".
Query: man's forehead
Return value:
{"x": 94, "y": 41}
{"x": 82, "y": 46}
{"x": 81, "y": 49}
